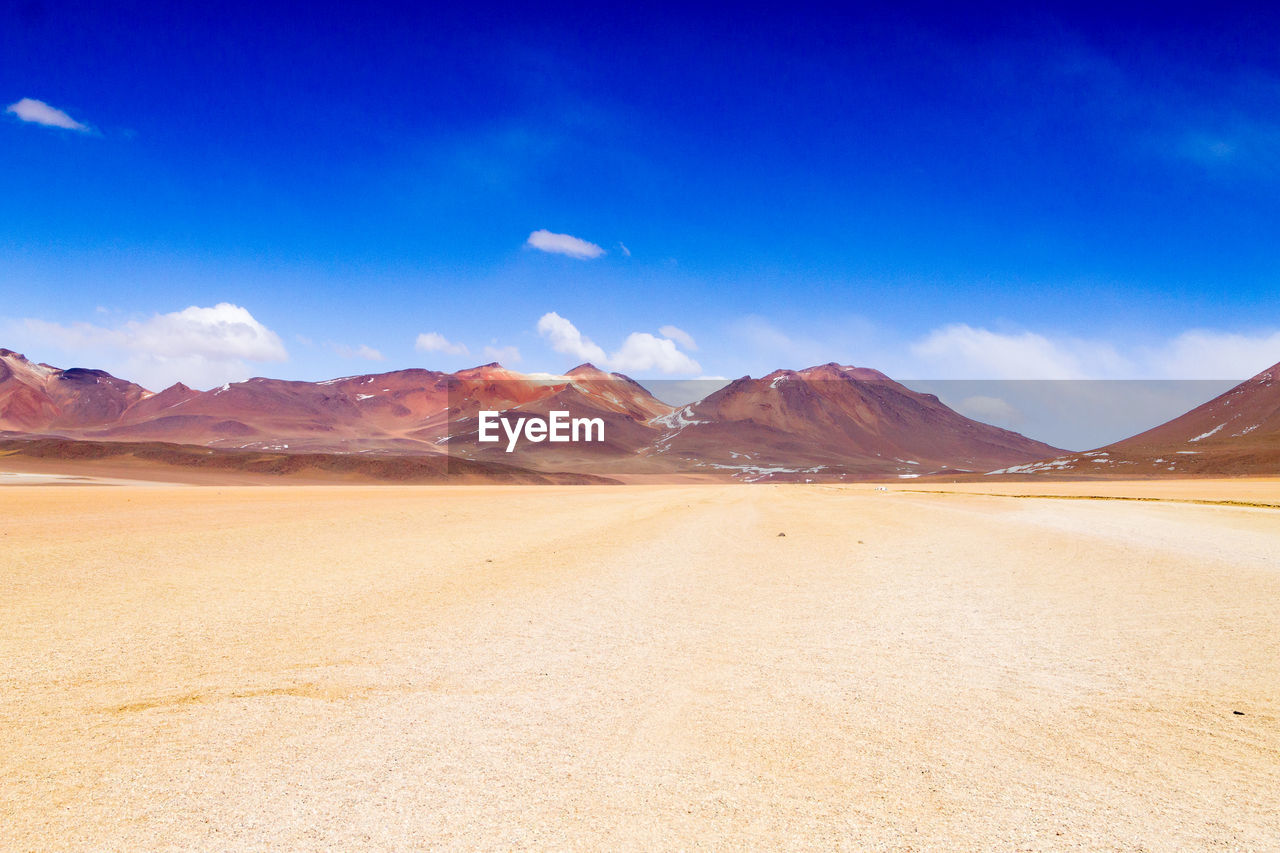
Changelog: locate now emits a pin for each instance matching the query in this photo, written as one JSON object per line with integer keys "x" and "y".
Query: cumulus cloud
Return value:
{"x": 563, "y": 244}
{"x": 436, "y": 342}
{"x": 38, "y": 112}
{"x": 680, "y": 336}
{"x": 367, "y": 353}
{"x": 502, "y": 355}
{"x": 224, "y": 331}
{"x": 565, "y": 338}
{"x": 196, "y": 345}
{"x": 643, "y": 351}
{"x": 640, "y": 351}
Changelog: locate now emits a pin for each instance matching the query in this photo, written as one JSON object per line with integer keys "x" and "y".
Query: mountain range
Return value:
{"x": 825, "y": 423}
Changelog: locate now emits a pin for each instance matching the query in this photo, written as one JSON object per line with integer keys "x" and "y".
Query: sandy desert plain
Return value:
{"x": 640, "y": 667}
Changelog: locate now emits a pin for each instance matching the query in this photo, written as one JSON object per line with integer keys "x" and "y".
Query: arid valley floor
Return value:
{"x": 639, "y": 667}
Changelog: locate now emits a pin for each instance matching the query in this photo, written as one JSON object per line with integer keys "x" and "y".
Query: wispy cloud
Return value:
{"x": 436, "y": 342}
{"x": 957, "y": 351}
{"x": 989, "y": 409}
{"x": 362, "y": 351}
{"x": 1209, "y": 354}
{"x": 1248, "y": 147}
{"x": 960, "y": 351}
{"x": 640, "y": 351}
{"x": 563, "y": 244}
{"x": 502, "y": 355}
{"x": 680, "y": 336}
{"x": 767, "y": 345}
{"x": 38, "y": 112}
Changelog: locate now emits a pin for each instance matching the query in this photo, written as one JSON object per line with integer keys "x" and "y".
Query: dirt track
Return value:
{"x": 634, "y": 667}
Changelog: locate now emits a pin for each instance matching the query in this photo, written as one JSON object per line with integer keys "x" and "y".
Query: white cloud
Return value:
{"x": 761, "y": 334}
{"x": 502, "y": 355}
{"x": 769, "y": 347}
{"x": 992, "y": 410}
{"x": 436, "y": 342}
{"x": 565, "y": 338}
{"x": 224, "y": 331}
{"x": 625, "y": 250}
{"x": 1207, "y": 354}
{"x": 680, "y": 336}
{"x": 643, "y": 351}
{"x": 196, "y": 345}
{"x": 640, "y": 350}
{"x": 38, "y": 112}
{"x": 960, "y": 350}
{"x": 563, "y": 244}
{"x": 367, "y": 353}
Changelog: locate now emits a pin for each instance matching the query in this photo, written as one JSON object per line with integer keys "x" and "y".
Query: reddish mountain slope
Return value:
{"x": 830, "y": 422}
{"x": 834, "y": 422}
{"x": 622, "y": 404}
{"x": 37, "y": 397}
{"x": 404, "y": 411}
{"x": 1236, "y": 433}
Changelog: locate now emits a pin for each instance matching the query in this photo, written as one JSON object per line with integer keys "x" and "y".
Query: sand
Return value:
{"x": 639, "y": 667}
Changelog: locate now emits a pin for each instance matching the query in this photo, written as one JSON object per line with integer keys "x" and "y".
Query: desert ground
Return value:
{"x": 639, "y": 667}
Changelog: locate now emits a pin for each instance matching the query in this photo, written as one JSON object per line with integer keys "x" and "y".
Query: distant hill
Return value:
{"x": 1234, "y": 434}
{"x": 824, "y": 423}
{"x": 182, "y": 462}
{"x": 835, "y": 421}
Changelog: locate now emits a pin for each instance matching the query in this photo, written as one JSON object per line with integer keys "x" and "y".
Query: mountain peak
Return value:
{"x": 490, "y": 369}
{"x": 835, "y": 370}
{"x": 588, "y": 369}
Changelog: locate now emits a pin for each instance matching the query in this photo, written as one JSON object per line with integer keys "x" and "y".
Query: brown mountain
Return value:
{"x": 626, "y": 409}
{"x": 833, "y": 422}
{"x": 830, "y": 422}
{"x": 37, "y": 397}
{"x": 1236, "y": 433}
{"x": 403, "y": 411}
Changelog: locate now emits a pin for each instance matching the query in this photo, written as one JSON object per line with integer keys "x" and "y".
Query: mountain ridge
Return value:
{"x": 1237, "y": 433}
{"x": 826, "y": 422}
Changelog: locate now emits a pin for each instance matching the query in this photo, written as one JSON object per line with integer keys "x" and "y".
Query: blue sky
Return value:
{"x": 294, "y": 191}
